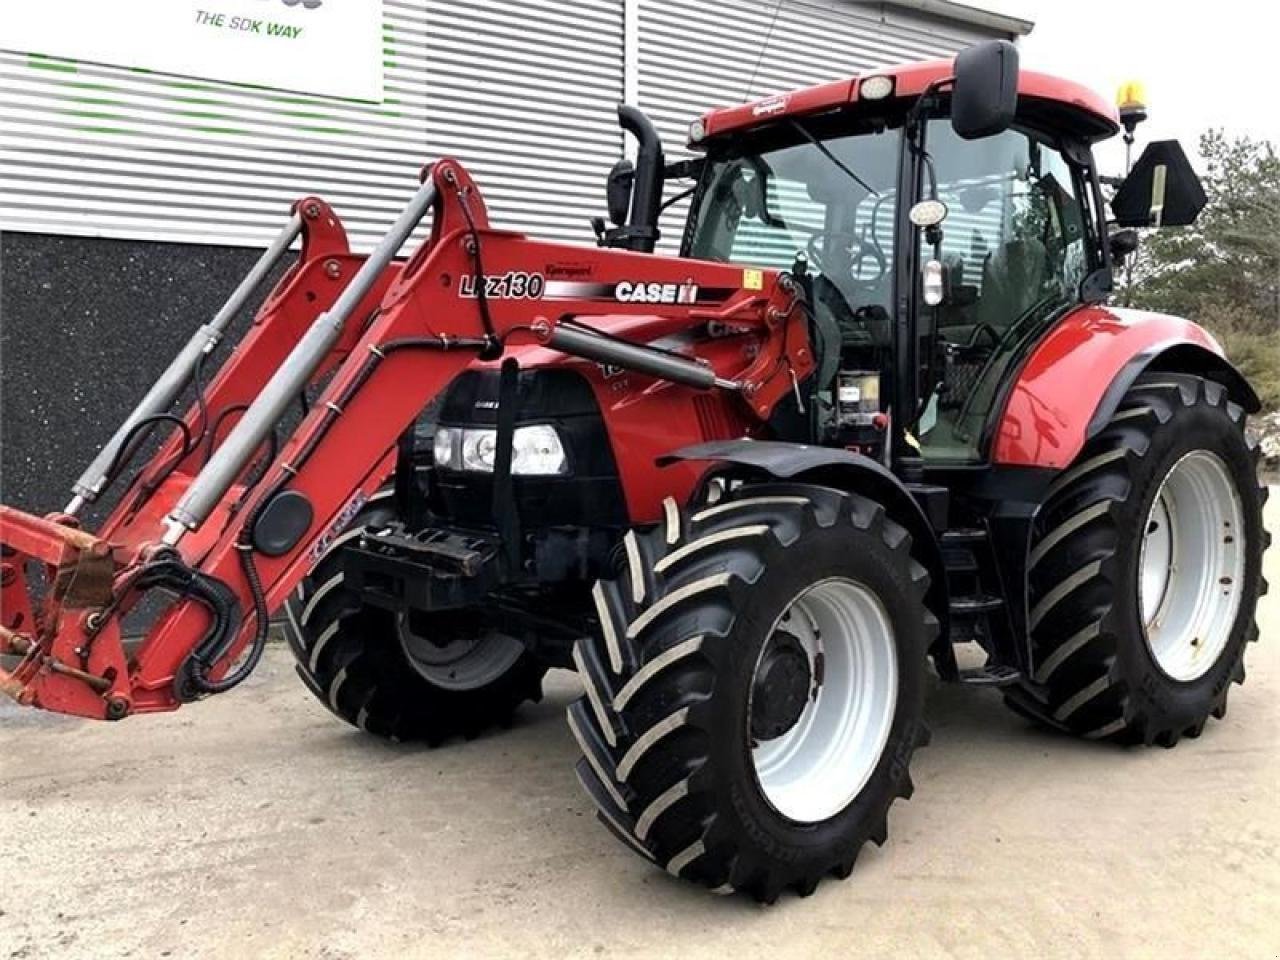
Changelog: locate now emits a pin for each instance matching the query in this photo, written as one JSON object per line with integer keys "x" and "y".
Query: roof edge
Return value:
{"x": 965, "y": 13}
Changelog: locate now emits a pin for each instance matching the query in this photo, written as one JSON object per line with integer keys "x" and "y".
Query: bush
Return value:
{"x": 1257, "y": 355}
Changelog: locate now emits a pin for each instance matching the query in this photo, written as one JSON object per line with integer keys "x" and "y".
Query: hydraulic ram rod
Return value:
{"x": 212, "y": 483}
{"x": 591, "y": 345}
{"x": 94, "y": 481}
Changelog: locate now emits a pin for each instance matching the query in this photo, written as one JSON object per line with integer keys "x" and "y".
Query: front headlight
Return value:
{"x": 536, "y": 451}
{"x": 443, "y": 446}
{"x": 479, "y": 450}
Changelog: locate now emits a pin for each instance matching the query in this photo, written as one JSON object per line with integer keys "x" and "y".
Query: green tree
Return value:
{"x": 1223, "y": 271}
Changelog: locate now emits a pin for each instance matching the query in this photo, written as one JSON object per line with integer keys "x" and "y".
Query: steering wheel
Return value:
{"x": 860, "y": 251}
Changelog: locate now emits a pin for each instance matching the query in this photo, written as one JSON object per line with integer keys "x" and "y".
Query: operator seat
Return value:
{"x": 1013, "y": 279}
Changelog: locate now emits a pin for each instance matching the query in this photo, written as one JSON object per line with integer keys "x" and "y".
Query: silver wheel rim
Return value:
{"x": 1191, "y": 571}
{"x": 817, "y": 767}
{"x": 465, "y": 663}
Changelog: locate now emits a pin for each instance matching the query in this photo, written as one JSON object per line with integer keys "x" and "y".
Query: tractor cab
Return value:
{"x": 941, "y": 217}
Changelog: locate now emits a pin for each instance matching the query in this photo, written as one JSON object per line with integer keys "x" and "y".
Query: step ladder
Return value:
{"x": 966, "y": 553}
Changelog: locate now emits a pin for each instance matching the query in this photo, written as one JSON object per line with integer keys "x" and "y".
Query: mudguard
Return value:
{"x": 1075, "y": 378}
{"x": 844, "y": 470}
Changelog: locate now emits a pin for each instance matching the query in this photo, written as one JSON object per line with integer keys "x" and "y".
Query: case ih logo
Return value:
{"x": 771, "y": 106}
{"x": 628, "y": 292}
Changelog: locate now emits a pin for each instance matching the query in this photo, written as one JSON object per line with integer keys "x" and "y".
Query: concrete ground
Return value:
{"x": 257, "y": 825}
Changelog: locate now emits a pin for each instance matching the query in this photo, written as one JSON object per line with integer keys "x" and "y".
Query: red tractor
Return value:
{"x": 877, "y": 408}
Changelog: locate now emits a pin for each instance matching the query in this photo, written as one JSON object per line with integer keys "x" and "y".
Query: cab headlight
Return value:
{"x": 536, "y": 451}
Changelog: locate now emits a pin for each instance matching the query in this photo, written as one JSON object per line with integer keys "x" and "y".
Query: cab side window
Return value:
{"x": 1014, "y": 238}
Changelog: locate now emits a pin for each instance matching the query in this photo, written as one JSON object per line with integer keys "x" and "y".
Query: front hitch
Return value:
{"x": 70, "y": 656}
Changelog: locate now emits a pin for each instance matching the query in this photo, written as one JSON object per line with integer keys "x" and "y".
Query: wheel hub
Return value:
{"x": 822, "y": 699}
{"x": 781, "y": 687}
{"x": 456, "y": 654}
{"x": 1192, "y": 565}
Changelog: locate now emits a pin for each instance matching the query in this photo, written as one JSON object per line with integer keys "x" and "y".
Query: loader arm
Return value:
{"x": 227, "y": 549}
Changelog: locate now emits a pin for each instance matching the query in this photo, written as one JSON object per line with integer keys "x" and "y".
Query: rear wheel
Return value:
{"x": 756, "y": 693}
{"x": 1147, "y": 569}
{"x": 429, "y": 677}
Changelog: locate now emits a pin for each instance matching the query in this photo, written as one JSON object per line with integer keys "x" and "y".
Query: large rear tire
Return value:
{"x": 432, "y": 679}
{"x": 1147, "y": 568}
{"x": 756, "y": 692}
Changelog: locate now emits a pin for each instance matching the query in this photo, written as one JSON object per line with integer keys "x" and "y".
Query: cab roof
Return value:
{"x": 1075, "y": 108}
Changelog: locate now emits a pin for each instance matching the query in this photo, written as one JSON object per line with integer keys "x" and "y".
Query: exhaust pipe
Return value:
{"x": 646, "y": 200}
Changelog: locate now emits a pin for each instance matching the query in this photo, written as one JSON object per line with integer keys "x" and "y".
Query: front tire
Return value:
{"x": 431, "y": 679}
{"x": 1147, "y": 568}
{"x": 756, "y": 692}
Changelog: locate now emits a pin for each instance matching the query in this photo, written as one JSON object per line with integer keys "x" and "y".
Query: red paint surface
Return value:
{"x": 909, "y": 80}
{"x": 1059, "y": 387}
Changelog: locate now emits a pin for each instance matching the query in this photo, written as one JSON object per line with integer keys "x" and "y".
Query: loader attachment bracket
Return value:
{"x": 73, "y": 668}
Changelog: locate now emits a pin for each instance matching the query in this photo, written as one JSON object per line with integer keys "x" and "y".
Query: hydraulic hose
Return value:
{"x": 126, "y": 450}
{"x": 191, "y": 680}
{"x": 256, "y": 646}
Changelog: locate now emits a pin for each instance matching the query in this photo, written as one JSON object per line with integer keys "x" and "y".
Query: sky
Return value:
{"x": 1203, "y": 64}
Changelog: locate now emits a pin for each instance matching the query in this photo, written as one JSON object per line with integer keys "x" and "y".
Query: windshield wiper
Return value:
{"x": 822, "y": 147}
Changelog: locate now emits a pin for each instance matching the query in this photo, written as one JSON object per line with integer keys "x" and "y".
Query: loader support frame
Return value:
{"x": 231, "y": 535}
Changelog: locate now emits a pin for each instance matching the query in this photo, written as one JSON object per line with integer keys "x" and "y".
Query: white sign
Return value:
{"x": 329, "y": 47}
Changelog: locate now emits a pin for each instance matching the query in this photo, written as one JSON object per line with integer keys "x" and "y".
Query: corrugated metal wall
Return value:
{"x": 523, "y": 91}
{"x": 109, "y": 151}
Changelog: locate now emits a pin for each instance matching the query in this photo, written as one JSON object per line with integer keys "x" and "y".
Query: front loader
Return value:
{"x": 877, "y": 410}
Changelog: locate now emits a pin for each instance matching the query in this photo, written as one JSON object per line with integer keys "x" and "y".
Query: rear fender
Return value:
{"x": 1178, "y": 357}
{"x": 843, "y": 470}
{"x": 1074, "y": 380}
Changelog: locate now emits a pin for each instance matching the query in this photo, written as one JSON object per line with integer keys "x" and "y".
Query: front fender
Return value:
{"x": 1074, "y": 380}
{"x": 844, "y": 470}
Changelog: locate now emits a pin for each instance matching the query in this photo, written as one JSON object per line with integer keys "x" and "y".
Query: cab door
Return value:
{"x": 1016, "y": 246}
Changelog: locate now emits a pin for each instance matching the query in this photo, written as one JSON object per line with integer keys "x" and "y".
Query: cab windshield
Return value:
{"x": 768, "y": 208}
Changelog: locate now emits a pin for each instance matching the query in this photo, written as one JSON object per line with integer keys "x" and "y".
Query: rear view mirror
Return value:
{"x": 985, "y": 97}
{"x": 1160, "y": 191}
{"x": 618, "y": 191}
{"x": 1122, "y": 243}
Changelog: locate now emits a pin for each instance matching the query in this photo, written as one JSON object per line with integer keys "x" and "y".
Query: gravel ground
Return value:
{"x": 257, "y": 825}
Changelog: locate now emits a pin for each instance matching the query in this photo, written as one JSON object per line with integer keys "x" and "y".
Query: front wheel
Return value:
{"x": 1147, "y": 568}
{"x": 756, "y": 691}
{"x": 414, "y": 677}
